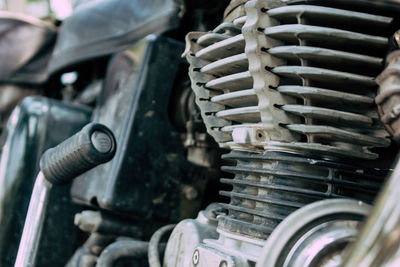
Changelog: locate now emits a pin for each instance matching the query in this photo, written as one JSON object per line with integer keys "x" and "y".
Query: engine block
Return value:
{"x": 289, "y": 88}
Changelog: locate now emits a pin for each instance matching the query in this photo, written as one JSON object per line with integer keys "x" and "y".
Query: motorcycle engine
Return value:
{"x": 288, "y": 87}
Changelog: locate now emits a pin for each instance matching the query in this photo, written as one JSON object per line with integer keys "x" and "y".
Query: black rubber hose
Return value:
{"x": 92, "y": 248}
{"x": 122, "y": 249}
{"x": 153, "y": 254}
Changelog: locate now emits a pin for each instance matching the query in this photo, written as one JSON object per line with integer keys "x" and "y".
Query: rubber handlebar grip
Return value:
{"x": 93, "y": 145}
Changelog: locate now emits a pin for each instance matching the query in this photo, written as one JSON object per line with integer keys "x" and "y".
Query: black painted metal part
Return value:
{"x": 93, "y": 145}
{"x": 145, "y": 179}
{"x": 41, "y": 123}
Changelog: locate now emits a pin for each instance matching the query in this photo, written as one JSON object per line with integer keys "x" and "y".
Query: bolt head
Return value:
{"x": 190, "y": 192}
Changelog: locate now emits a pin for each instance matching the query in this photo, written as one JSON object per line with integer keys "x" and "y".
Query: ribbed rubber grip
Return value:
{"x": 93, "y": 145}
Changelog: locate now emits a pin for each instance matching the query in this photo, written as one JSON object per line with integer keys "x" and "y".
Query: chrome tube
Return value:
{"x": 379, "y": 241}
{"x": 34, "y": 222}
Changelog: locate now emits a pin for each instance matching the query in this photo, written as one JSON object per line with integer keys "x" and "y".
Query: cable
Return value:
{"x": 153, "y": 253}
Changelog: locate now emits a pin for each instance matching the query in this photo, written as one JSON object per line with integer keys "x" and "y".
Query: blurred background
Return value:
{"x": 40, "y": 8}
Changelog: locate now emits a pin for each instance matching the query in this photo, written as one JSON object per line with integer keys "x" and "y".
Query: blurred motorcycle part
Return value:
{"x": 388, "y": 98}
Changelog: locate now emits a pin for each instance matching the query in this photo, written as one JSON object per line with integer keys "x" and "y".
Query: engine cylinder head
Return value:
{"x": 289, "y": 87}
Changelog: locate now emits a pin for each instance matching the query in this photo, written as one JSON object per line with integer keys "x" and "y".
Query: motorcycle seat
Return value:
{"x": 103, "y": 27}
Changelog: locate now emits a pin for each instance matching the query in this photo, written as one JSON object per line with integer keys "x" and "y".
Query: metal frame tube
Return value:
{"x": 34, "y": 222}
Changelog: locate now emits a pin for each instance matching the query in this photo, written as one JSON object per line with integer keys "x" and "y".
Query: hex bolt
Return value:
{"x": 190, "y": 192}
{"x": 196, "y": 257}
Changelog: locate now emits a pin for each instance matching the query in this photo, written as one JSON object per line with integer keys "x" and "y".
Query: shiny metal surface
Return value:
{"x": 323, "y": 245}
{"x": 6, "y": 185}
{"x": 36, "y": 125}
{"x": 379, "y": 241}
{"x": 187, "y": 235}
{"x": 315, "y": 235}
{"x": 298, "y": 82}
{"x": 33, "y": 227}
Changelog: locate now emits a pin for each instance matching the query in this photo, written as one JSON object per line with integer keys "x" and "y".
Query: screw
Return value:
{"x": 223, "y": 264}
{"x": 196, "y": 257}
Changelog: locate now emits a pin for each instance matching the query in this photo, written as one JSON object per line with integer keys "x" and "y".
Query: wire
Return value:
{"x": 153, "y": 253}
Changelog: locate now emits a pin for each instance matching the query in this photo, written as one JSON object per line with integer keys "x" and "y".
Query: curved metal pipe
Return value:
{"x": 93, "y": 247}
{"x": 34, "y": 223}
{"x": 122, "y": 249}
{"x": 379, "y": 241}
{"x": 153, "y": 254}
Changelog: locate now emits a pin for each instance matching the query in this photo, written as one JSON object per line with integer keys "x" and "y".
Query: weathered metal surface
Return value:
{"x": 294, "y": 93}
{"x": 326, "y": 56}
{"x": 388, "y": 98}
{"x": 211, "y": 38}
{"x": 150, "y": 170}
{"x": 313, "y": 74}
{"x": 202, "y": 94}
{"x": 329, "y": 14}
{"x": 187, "y": 235}
{"x": 324, "y": 35}
{"x": 245, "y": 114}
{"x": 269, "y": 186}
{"x": 329, "y": 115}
{"x": 228, "y": 28}
{"x": 241, "y": 98}
{"x": 293, "y": 73}
{"x": 228, "y": 65}
{"x": 228, "y": 47}
{"x": 324, "y": 75}
{"x": 326, "y": 95}
{"x": 233, "y": 82}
